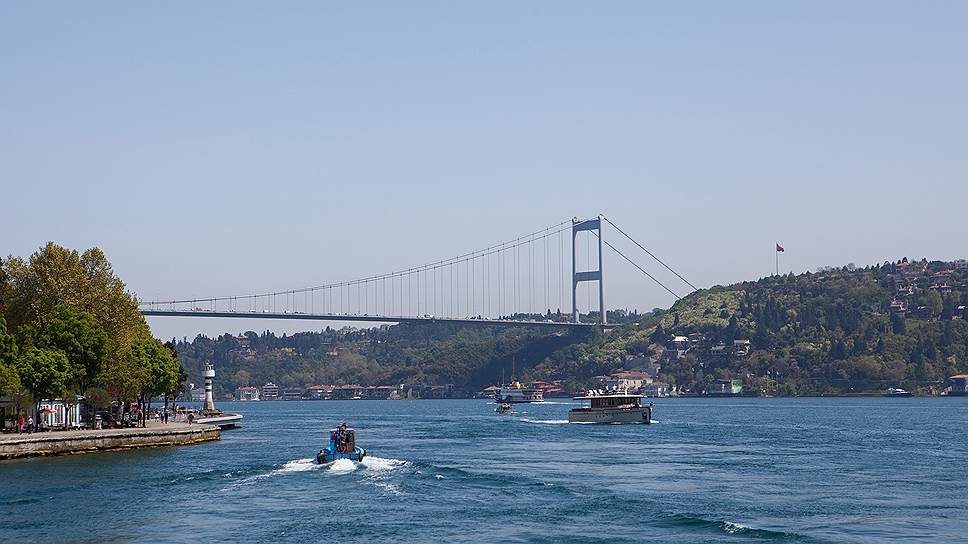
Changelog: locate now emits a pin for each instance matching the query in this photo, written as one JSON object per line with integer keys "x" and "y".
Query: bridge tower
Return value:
{"x": 587, "y": 275}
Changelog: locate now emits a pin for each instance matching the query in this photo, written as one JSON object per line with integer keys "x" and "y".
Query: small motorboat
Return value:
{"x": 503, "y": 408}
{"x": 897, "y": 392}
{"x": 342, "y": 445}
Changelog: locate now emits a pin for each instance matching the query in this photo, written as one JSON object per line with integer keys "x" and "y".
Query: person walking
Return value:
{"x": 166, "y": 417}
{"x": 30, "y": 425}
{"x": 20, "y": 425}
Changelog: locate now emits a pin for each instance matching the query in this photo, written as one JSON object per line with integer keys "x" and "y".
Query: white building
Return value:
{"x": 270, "y": 391}
{"x": 247, "y": 393}
{"x": 56, "y": 414}
{"x": 630, "y": 380}
{"x": 655, "y": 389}
{"x": 198, "y": 394}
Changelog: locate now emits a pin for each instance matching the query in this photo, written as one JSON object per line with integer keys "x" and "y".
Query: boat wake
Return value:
{"x": 553, "y": 421}
{"x": 340, "y": 466}
{"x": 375, "y": 470}
{"x": 383, "y": 473}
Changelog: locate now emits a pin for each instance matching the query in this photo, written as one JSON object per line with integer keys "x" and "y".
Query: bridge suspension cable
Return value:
{"x": 505, "y": 282}
{"x": 634, "y": 241}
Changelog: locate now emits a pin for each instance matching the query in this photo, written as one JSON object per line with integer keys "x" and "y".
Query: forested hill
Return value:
{"x": 836, "y": 330}
{"x": 427, "y": 354}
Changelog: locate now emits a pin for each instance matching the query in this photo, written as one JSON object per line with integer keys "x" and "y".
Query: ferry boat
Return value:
{"x": 342, "y": 445}
{"x": 615, "y": 406}
{"x": 518, "y": 392}
{"x": 897, "y": 392}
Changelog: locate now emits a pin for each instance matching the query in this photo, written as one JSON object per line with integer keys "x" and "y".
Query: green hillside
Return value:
{"x": 826, "y": 332}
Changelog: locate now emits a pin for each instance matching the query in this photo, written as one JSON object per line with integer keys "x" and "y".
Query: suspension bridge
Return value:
{"x": 526, "y": 281}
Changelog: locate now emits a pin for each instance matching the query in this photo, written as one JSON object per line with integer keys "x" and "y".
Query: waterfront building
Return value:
{"x": 489, "y": 392}
{"x": 655, "y": 389}
{"x": 292, "y": 393}
{"x": 8, "y": 410}
{"x": 198, "y": 394}
{"x": 270, "y": 391}
{"x": 247, "y": 393}
{"x": 724, "y": 388}
{"x": 320, "y": 391}
{"x": 57, "y": 414}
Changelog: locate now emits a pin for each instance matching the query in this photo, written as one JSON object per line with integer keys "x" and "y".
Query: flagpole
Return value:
{"x": 776, "y": 252}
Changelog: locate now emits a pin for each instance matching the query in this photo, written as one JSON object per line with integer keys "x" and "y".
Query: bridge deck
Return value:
{"x": 361, "y": 318}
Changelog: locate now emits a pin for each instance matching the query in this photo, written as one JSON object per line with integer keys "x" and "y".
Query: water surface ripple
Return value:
{"x": 711, "y": 470}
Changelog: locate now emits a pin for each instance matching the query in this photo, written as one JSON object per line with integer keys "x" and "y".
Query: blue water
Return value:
{"x": 723, "y": 470}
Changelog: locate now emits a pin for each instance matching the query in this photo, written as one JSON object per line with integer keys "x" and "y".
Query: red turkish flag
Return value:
{"x": 779, "y": 248}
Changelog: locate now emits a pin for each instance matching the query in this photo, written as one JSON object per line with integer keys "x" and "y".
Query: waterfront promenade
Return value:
{"x": 85, "y": 441}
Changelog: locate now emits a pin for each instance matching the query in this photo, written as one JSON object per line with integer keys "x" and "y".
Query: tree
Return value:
{"x": 55, "y": 276}
{"x": 898, "y": 325}
{"x": 82, "y": 339}
{"x": 43, "y": 372}
{"x": 85, "y": 343}
{"x": 156, "y": 369}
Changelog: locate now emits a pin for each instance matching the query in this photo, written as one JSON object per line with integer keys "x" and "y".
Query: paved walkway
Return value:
{"x": 153, "y": 427}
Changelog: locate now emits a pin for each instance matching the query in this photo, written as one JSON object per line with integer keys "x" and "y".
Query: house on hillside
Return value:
{"x": 631, "y": 380}
{"x": 943, "y": 288}
{"x": 961, "y": 265}
{"x": 741, "y": 348}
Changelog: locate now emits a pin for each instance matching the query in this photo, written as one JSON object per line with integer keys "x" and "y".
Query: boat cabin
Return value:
{"x": 342, "y": 439}
{"x": 601, "y": 400}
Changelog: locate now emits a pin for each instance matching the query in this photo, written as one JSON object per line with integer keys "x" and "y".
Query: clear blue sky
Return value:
{"x": 227, "y": 147}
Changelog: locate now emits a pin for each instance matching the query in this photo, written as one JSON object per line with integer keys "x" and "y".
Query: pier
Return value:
{"x": 14, "y": 446}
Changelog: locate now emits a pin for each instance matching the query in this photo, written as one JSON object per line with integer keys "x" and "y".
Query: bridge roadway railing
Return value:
{"x": 363, "y": 318}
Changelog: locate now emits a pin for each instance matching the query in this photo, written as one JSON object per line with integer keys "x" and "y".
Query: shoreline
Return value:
{"x": 75, "y": 442}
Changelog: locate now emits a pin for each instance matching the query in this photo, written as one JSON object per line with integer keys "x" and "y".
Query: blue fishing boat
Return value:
{"x": 342, "y": 445}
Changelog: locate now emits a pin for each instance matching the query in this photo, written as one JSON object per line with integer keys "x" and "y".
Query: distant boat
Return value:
{"x": 611, "y": 407}
{"x": 518, "y": 392}
{"x": 897, "y": 392}
{"x": 503, "y": 408}
{"x": 515, "y": 391}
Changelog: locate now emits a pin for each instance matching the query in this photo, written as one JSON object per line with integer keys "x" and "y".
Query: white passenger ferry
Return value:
{"x": 518, "y": 392}
{"x": 611, "y": 407}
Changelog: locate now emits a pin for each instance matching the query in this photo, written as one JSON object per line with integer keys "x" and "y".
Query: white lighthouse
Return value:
{"x": 209, "y": 376}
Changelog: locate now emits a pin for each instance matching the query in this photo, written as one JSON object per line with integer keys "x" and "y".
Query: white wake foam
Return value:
{"x": 379, "y": 464}
{"x": 296, "y": 465}
{"x": 546, "y": 421}
{"x": 341, "y": 466}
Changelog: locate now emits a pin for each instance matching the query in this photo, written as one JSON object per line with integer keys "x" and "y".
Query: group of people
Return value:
{"x": 161, "y": 416}
{"x": 25, "y": 426}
